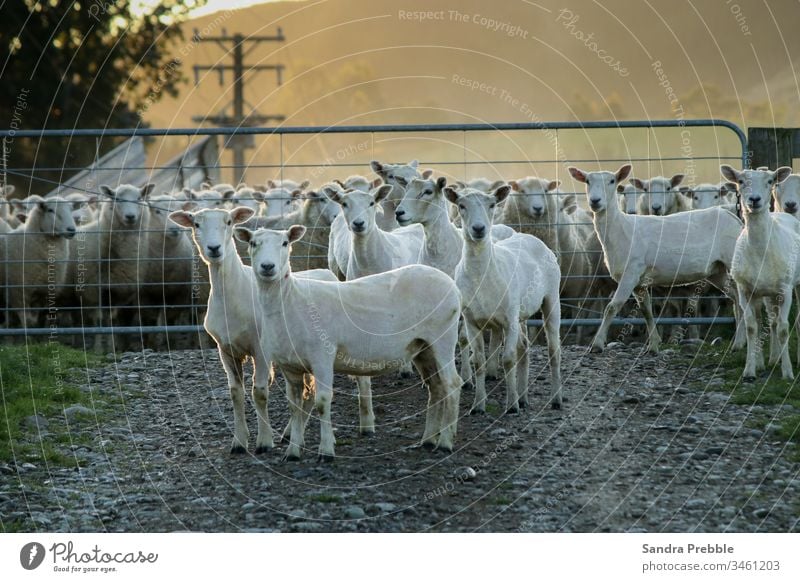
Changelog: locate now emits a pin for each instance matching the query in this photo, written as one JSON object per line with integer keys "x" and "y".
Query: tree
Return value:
{"x": 67, "y": 64}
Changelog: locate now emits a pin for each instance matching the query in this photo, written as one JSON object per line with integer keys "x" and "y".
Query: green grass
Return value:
{"x": 39, "y": 379}
{"x": 325, "y": 498}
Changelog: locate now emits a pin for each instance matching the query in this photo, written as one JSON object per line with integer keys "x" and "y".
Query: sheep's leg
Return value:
{"x": 261, "y": 381}
{"x": 727, "y": 286}
{"x": 366, "y": 417}
{"x": 297, "y": 415}
{"x": 463, "y": 346}
{"x": 406, "y": 370}
{"x": 773, "y": 318}
{"x": 624, "y": 289}
{"x": 782, "y": 333}
{"x": 751, "y": 325}
{"x": 323, "y": 378}
{"x": 797, "y": 321}
{"x": 551, "y": 313}
{"x": 233, "y": 370}
{"x": 450, "y": 390}
{"x": 643, "y": 299}
{"x": 523, "y": 363}
{"x": 493, "y": 363}
{"x": 434, "y": 410}
{"x": 510, "y": 351}
{"x": 475, "y": 336}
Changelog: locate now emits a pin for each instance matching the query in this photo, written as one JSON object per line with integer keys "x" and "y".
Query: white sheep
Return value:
{"x": 244, "y": 195}
{"x": 233, "y": 317}
{"x": 660, "y": 196}
{"x": 708, "y": 195}
{"x": 629, "y": 198}
{"x": 83, "y": 206}
{"x": 787, "y": 195}
{"x": 283, "y": 196}
{"x": 643, "y": 251}
{"x": 766, "y": 265}
{"x": 40, "y": 248}
{"x": 502, "y": 285}
{"x": 366, "y": 327}
{"x": 398, "y": 176}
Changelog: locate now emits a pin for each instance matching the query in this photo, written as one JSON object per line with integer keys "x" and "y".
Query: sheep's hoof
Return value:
{"x": 367, "y": 432}
{"x": 405, "y": 375}
{"x": 446, "y": 449}
{"x": 555, "y": 405}
{"x": 523, "y": 404}
{"x": 596, "y": 349}
{"x": 466, "y": 385}
{"x": 476, "y": 411}
{"x": 290, "y": 458}
{"x": 325, "y": 458}
{"x": 748, "y": 379}
{"x": 263, "y": 449}
{"x": 429, "y": 445}
{"x": 238, "y": 450}
{"x": 493, "y": 376}
{"x": 513, "y": 410}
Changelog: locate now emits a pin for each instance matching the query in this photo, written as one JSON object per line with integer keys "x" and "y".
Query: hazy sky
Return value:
{"x": 216, "y": 5}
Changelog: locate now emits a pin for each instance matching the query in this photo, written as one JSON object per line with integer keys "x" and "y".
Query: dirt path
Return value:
{"x": 642, "y": 445}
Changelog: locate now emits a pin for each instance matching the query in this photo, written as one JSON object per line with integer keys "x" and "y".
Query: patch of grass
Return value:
{"x": 325, "y": 498}
{"x": 493, "y": 409}
{"x": 500, "y": 501}
{"x": 37, "y": 379}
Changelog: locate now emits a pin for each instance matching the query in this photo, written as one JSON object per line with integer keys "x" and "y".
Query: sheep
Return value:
{"x": 317, "y": 213}
{"x": 535, "y": 208}
{"x": 398, "y": 176}
{"x": 244, "y": 195}
{"x": 629, "y": 198}
{"x": 83, "y": 206}
{"x": 642, "y": 251}
{"x": 366, "y": 249}
{"x": 42, "y": 246}
{"x": 233, "y": 318}
{"x": 787, "y": 195}
{"x": 660, "y": 196}
{"x": 482, "y": 184}
{"x": 206, "y": 197}
{"x": 366, "y": 327}
{"x": 708, "y": 195}
{"x": 502, "y": 284}
{"x": 5, "y": 205}
{"x": 766, "y": 265}
{"x": 283, "y": 196}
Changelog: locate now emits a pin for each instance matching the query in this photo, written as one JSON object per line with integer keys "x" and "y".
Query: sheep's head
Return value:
{"x": 399, "y": 176}
{"x": 359, "y": 183}
{"x": 601, "y": 187}
{"x": 476, "y": 209}
{"x": 281, "y": 201}
{"x": 755, "y": 186}
{"x": 661, "y": 193}
{"x": 205, "y": 198}
{"x": 420, "y": 201}
{"x": 535, "y": 195}
{"x": 128, "y": 202}
{"x": 212, "y": 229}
{"x": 629, "y": 196}
{"x": 358, "y": 207}
{"x": 787, "y": 195}
{"x": 244, "y": 196}
{"x": 707, "y": 195}
{"x": 320, "y": 209}
{"x": 161, "y": 205}
{"x": 270, "y": 250}
{"x": 54, "y": 215}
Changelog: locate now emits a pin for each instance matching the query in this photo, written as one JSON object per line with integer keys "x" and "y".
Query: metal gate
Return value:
{"x": 319, "y": 154}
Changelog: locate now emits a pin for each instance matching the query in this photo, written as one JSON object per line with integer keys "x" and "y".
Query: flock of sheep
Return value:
{"x": 365, "y": 277}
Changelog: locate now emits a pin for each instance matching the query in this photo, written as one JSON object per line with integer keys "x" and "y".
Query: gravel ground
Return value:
{"x": 644, "y": 443}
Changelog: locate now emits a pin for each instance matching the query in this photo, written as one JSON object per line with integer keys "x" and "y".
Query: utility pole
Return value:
{"x": 238, "y": 143}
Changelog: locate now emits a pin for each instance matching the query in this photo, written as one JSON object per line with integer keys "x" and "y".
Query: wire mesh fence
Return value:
{"x": 71, "y": 274}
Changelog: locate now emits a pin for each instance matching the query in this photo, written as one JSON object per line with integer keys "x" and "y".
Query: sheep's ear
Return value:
{"x": 271, "y": 184}
{"x": 8, "y": 189}
{"x": 189, "y": 205}
{"x": 569, "y": 203}
{"x": 621, "y": 189}
{"x": 376, "y": 182}
{"x": 451, "y": 194}
{"x": 413, "y": 163}
{"x": 496, "y": 184}
{"x": 258, "y": 195}
{"x": 514, "y": 185}
{"x": 107, "y": 191}
{"x": 313, "y": 194}
{"x": 228, "y": 194}
{"x": 501, "y": 193}
{"x": 729, "y": 173}
{"x": 686, "y": 191}
{"x": 296, "y": 193}
{"x": 147, "y": 189}
{"x": 21, "y": 216}
{"x": 623, "y": 172}
{"x": 182, "y": 218}
{"x": 459, "y": 185}
{"x": 206, "y": 186}
{"x": 337, "y": 181}
{"x": 296, "y": 232}
{"x": 441, "y": 182}
{"x": 243, "y": 234}
{"x": 305, "y": 184}
{"x": 676, "y": 179}
{"x": 727, "y": 187}
{"x": 332, "y": 193}
{"x": 553, "y": 185}
{"x": 426, "y": 174}
{"x": 377, "y": 167}
{"x": 91, "y": 200}
{"x": 383, "y": 192}
{"x": 241, "y": 213}
{"x": 637, "y": 183}
{"x": 782, "y": 173}
{"x": 577, "y": 174}
{"x": 241, "y": 185}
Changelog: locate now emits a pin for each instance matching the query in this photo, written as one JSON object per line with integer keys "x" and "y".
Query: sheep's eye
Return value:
{"x": 428, "y": 192}
{"x": 612, "y": 181}
{"x": 716, "y": 196}
{"x": 390, "y": 176}
{"x": 769, "y": 181}
{"x": 197, "y": 225}
{"x": 252, "y": 244}
{"x": 491, "y": 206}
{"x": 286, "y": 243}
{"x": 344, "y": 204}
{"x": 462, "y": 207}
{"x": 50, "y": 210}
{"x": 401, "y": 181}
{"x": 741, "y": 182}
{"x": 229, "y": 223}
{"x": 646, "y": 190}
{"x": 288, "y": 202}
{"x": 372, "y": 203}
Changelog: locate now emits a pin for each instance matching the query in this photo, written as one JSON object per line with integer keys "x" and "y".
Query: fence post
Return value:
{"x": 771, "y": 146}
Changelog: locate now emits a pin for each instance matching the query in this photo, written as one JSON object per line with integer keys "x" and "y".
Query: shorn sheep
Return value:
{"x": 766, "y": 265}
{"x": 787, "y": 195}
{"x": 283, "y": 196}
{"x": 233, "y": 317}
{"x": 365, "y": 327}
{"x": 642, "y": 251}
{"x": 42, "y": 244}
{"x": 660, "y": 196}
{"x": 398, "y": 176}
{"x": 710, "y": 195}
{"x": 503, "y": 284}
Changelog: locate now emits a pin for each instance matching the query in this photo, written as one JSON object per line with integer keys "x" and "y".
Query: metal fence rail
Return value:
{"x": 444, "y": 148}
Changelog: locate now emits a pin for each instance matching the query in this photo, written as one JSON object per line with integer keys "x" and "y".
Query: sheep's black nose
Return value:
{"x": 267, "y": 267}
{"x": 130, "y": 217}
{"x": 478, "y": 229}
{"x": 70, "y": 229}
{"x": 791, "y": 206}
{"x": 214, "y": 249}
{"x": 399, "y": 213}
